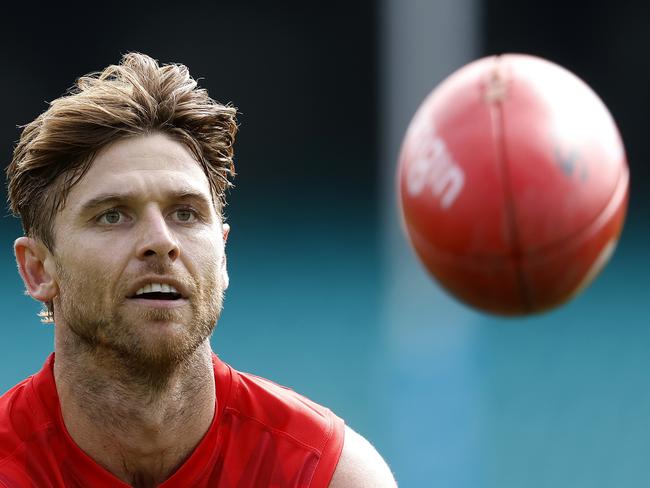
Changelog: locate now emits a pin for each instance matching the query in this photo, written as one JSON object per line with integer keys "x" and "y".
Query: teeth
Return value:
{"x": 156, "y": 287}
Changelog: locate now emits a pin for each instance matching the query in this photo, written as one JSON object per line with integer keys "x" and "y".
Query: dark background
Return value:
{"x": 559, "y": 400}
{"x": 304, "y": 76}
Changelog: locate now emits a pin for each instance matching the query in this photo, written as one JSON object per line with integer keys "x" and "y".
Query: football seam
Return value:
{"x": 498, "y": 131}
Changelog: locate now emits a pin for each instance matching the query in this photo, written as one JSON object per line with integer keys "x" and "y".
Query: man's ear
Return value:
{"x": 32, "y": 258}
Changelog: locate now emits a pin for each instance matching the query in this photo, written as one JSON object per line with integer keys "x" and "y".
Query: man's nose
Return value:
{"x": 157, "y": 239}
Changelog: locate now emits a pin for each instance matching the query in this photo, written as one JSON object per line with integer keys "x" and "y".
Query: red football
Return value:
{"x": 513, "y": 184}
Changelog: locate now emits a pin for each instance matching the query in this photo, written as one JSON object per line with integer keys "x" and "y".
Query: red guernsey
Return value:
{"x": 262, "y": 435}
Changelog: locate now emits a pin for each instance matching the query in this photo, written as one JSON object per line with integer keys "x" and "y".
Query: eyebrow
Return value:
{"x": 107, "y": 199}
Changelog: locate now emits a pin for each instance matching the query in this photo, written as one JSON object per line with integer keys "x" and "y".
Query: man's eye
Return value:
{"x": 185, "y": 215}
{"x": 110, "y": 217}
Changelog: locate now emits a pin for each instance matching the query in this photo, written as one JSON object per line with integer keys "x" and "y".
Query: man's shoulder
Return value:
{"x": 15, "y": 418}
{"x": 17, "y": 428}
{"x": 361, "y": 466}
{"x": 27, "y": 439}
{"x": 24, "y": 414}
{"x": 12, "y": 394}
{"x": 282, "y": 408}
{"x": 259, "y": 390}
{"x": 276, "y": 427}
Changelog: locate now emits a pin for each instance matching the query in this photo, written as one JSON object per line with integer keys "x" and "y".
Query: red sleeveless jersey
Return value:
{"x": 262, "y": 436}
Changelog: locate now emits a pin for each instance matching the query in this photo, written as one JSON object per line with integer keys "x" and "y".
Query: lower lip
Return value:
{"x": 144, "y": 302}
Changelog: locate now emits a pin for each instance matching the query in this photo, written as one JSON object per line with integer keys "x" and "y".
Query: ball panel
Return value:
{"x": 490, "y": 283}
{"x": 558, "y": 272}
{"x": 450, "y": 181}
{"x": 564, "y": 153}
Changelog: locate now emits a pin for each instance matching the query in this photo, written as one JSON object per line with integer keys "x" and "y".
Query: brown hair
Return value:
{"x": 136, "y": 97}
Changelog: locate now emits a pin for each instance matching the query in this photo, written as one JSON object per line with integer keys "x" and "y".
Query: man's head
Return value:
{"x": 133, "y": 98}
{"x": 120, "y": 186}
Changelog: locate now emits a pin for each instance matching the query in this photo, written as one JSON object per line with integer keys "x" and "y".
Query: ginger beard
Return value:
{"x": 150, "y": 343}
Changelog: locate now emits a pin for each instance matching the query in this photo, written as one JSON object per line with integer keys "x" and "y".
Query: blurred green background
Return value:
{"x": 325, "y": 295}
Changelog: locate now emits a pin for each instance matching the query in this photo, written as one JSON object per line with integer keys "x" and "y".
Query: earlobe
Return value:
{"x": 31, "y": 256}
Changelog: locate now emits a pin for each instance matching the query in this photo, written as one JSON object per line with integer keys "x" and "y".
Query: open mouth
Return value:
{"x": 159, "y": 295}
{"x": 158, "y": 291}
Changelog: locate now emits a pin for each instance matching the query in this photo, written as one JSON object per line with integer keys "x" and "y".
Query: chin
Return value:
{"x": 155, "y": 360}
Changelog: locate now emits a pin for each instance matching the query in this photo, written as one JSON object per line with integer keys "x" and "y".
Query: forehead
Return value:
{"x": 150, "y": 166}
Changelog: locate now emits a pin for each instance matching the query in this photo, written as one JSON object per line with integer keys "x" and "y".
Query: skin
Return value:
{"x": 360, "y": 465}
{"x": 134, "y": 377}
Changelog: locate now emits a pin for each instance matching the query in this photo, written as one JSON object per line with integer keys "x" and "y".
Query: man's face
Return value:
{"x": 139, "y": 254}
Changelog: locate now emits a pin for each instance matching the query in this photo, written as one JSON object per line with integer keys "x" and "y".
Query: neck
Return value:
{"x": 139, "y": 432}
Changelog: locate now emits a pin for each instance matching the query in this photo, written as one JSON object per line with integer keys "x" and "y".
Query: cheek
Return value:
{"x": 87, "y": 265}
{"x": 202, "y": 244}
{"x": 203, "y": 257}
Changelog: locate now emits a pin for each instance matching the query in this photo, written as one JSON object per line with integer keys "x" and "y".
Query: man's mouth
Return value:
{"x": 158, "y": 291}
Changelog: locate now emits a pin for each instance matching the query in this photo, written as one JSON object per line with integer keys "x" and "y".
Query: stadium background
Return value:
{"x": 325, "y": 296}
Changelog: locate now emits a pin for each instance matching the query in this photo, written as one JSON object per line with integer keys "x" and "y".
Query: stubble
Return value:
{"x": 117, "y": 337}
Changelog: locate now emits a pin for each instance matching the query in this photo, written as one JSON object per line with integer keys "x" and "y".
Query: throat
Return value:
{"x": 140, "y": 436}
